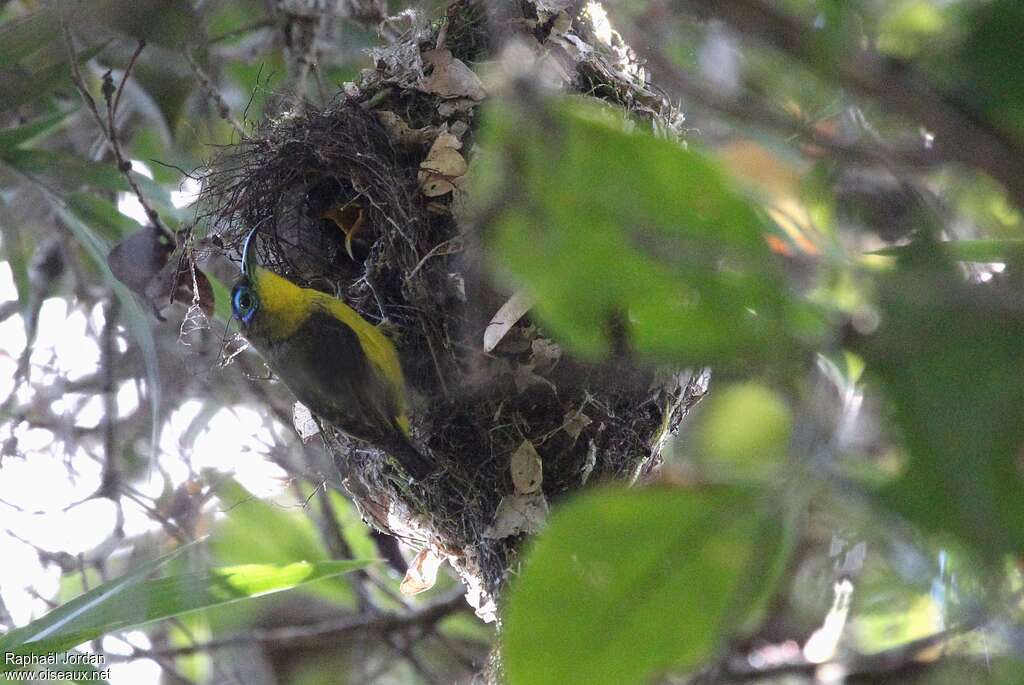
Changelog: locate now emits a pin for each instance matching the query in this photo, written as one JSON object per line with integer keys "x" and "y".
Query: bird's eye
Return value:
{"x": 244, "y": 303}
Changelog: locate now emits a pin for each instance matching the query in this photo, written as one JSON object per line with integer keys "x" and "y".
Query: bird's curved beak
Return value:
{"x": 249, "y": 256}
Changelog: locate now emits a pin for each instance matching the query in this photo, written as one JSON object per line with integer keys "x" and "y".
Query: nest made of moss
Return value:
{"x": 355, "y": 200}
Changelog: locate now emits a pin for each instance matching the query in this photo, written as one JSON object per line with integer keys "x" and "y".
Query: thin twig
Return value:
{"x": 110, "y": 484}
{"x": 214, "y": 95}
{"x": 107, "y": 124}
{"x": 124, "y": 164}
{"x": 79, "y": 81}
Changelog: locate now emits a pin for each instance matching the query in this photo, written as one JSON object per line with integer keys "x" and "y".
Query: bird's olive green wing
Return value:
{"x": 326, "y": 368}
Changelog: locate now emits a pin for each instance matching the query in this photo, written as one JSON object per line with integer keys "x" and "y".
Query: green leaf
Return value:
{"x": 950, "y": 359}
{"x": 170, "y": 24}
{"x": 355, "y": 531}
{"x": 23, "y": 36}
{"x": 262, "y": 532}
{"x": 93, "y": 615}
{"x": 20, "y": 86}
{"x": 255, "y": 530}
{"x": 908, "y": 27}
{"x": 986, "y": 250}
{"x": 990, "y": 79}
{"x": 72, "y": 171}
{"x": 17, "y": 251}
{"x": 221, "y": 298}
{"x": 32, "y": 130}
{"x": 617, "y": 233}
{"x": 743, "y": 433}
{"x": 57, "y": 620}
{"x": 102, "y": 215}
{"x": 624, "y": 585}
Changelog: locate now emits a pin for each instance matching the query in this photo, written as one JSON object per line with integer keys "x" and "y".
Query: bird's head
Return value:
{"x": 245, "y": 299}
{"x": 266, "y": 305}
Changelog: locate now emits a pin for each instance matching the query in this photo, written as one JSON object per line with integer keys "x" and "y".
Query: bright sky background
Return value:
{"x": 44, "y": 491}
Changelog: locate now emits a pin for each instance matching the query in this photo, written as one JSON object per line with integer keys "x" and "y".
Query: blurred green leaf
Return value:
{"x": 17, "y": 252}
{"x": 258, "y": 531}
{"x": 32, "y": 130}
{"x": 221, "y": 298}
{"x": 57, "y": 621}
{"x": 984, "y": 250}
{"x": 743, "y": 432}
{"x": 906, "y": 27}
{"x": 102, "y": 215}
{"x": 149, "y": 145}
{"x": 355, "y": 531}
{"x": 611, "y": 230}
{"x": 72, "y": 171}
{"x": 102, "y": 611}
{"x": 624, "y": 585}
{"x": 977, "y": 669}
{"x": 19, "y": 86}
{"x": 950, "y": 360}
{"x": 262, "y": 79}
{"x": 170, "y": 24}
{"x": 25, "y": 35}
{"x": 990, "y": 61}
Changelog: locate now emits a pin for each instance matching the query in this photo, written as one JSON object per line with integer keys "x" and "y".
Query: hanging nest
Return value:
{"x": 362, "y": 200}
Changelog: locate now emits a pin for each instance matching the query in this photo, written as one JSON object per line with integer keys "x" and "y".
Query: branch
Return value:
{"x": 214, "y": 95}
{"x": 112, "y": 96}
{"x": 327, "y": 633}
{"x": 110, "y": 484}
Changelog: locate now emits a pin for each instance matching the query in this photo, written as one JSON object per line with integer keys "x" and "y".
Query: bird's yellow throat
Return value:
{"x": 283, "y": 305}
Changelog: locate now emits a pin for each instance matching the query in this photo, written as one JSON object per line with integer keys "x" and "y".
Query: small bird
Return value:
{"x": 342, "y": 367}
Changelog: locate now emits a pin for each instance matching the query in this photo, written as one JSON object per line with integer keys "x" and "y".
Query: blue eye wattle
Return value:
{"x": 244, "y": 303}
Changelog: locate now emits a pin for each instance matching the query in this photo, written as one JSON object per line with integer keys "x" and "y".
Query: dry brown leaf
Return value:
{"x": 449, "y": 108}
{"x": 525, "y": 376}
{"x": 143, "y": 262}
{"x": 518, "y": 514}
{"x": 451, "y": 78}
{"x": 305, "y": 424}
{"x": 505, "y": 318}
{"x": 178, "y": 282}
{"x": 402, "y": 134}
{"x": 575, "y": 422}
{"x": 140, "y": 257}
{"x": 546, "y": 353}
{"x": 527, "y": 469}
{"x": 444, "y": 164}
{"x": 422, "y": 572}
{"x": 554, "y": 6}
